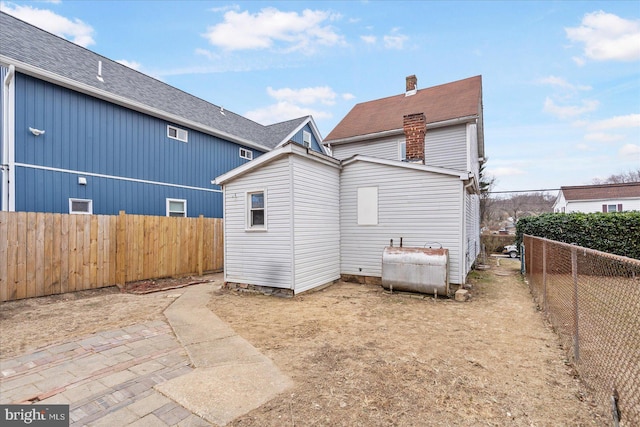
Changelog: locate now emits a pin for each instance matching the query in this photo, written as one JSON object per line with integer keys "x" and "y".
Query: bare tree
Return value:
{"x": 487, "y": 182}
{"x": 629, "y": 176}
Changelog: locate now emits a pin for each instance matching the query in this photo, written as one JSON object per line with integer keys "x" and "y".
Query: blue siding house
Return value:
{"x": 81, "y": 133}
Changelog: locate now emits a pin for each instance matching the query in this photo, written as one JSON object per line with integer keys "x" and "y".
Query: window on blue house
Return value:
{"x": 80, "y": 206}
{"x": 176, "y": 207}
{"x": 246, "y": 154}
{"x": 306, "y": 139}
{"x": 177, "y": 133}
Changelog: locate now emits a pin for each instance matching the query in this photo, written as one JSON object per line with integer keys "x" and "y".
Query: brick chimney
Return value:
{"x": 415, "y": 129}
{"x": 412, "y": 85}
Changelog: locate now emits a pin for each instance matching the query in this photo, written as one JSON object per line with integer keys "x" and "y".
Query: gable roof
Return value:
{"x": 601, "y": 191}
{"x": 38, "y": 53}
{"x": 289, "y": 148}
{"x": 457, "y": 100}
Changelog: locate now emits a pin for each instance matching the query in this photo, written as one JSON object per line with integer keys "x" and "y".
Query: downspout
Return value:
{"x": 7, "y": 163}
{"x": 463, "y": 272}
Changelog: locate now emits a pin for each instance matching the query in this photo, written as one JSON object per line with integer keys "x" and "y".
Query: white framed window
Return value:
{"x": 612, "y": 208}
{"x": 177, "y": 133}
{"x": 306, "y": 139}
{"x": 257, "y": 210}
{"x": 81, "y": 206}
{"x": 402, "y": 151}
{"x": 246, "y": 154}
{"x": 368, "y": 206}
{"x": 177, "y": 207}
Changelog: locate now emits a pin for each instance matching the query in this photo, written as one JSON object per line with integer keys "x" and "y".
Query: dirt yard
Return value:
{"x": 360, "y": 356}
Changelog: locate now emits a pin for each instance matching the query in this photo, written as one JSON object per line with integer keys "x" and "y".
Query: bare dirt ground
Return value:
{"x": 360, "y": 356}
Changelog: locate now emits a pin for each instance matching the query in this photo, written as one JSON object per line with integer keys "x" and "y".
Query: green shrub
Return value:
{"x": 616, "y": 233}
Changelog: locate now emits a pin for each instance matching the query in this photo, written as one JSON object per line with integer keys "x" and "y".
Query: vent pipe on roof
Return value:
{"x": 412, "y": 85}
{"x": 99, "y": 76}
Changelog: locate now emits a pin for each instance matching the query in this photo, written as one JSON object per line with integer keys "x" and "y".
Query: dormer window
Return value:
{"x": 177, "y": 133}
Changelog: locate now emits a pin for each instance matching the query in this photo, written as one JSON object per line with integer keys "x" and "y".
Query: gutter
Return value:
{"x": 7, "y": 151}
{"x": 125, "y": 102}
{"x": 392, "y": 132}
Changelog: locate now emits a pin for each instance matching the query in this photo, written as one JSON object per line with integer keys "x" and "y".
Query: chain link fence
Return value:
{"x": 592, "y": 299}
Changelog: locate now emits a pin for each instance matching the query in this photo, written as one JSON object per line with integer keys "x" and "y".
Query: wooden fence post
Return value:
{"x": 121, "y": 247}
{"x": 200, "y": 232}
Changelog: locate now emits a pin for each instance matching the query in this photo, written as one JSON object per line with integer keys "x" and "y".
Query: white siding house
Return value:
{"x": 598, "y": 198}
{"x": 290, "y": 240}
{"x": 416, "y": 202}
{"x": 324, "y": 217}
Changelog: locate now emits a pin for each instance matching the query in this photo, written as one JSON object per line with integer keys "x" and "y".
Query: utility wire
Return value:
{"x": 524, "y": 191}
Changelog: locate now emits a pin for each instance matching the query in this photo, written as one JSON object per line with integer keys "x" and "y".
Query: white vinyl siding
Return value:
{"x": 596, "y": 205}
{"x": 472, "y": 219}
{"x": 384, "y": 148}
{"x": 421, "y": 207}
{"x": 447, "y": 147}
{"x": 263, "y": 258}
{"x": 316, "y": 223}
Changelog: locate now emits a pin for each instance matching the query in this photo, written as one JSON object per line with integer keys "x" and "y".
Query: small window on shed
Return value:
{"x": 306, "y": 139}
{"x": 177, "y": 133}
{"x": 246, "y": 154}
{"x": 368, "y": 206}
{"x": 256, "y": 211}
{"x": 80, "y": 206}
{"x": 176, "y": 207}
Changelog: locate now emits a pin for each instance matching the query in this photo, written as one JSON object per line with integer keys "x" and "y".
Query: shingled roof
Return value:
{"x": 601, "y": 191}
{"x": 459, "y": 99}
{"x": 36, "y": 52}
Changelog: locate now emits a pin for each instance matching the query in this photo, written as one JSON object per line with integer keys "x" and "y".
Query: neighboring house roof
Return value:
{"x": 461, "y": 99}
{"x": 284, "y": 150}
{"x": 601, "y": 191}
{"x": 36, "y": 52}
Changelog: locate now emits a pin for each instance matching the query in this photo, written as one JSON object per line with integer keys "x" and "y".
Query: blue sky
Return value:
{"x": 561, "y": 79}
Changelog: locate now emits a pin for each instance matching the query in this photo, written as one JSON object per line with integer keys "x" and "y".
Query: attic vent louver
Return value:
{"x": 99, "y": 76}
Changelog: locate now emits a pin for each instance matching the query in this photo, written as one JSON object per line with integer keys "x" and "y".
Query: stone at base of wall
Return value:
{"x": 462, "y": 295}
{"x": 354, "y": 278}
{"x": 265, "y": 290}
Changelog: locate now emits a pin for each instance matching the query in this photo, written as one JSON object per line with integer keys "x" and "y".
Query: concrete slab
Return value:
{"x": 231, "y": 377}
{"x": 221, "y": 394}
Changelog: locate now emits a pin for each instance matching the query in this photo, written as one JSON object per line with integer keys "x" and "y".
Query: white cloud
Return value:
{"x": 506, "y": 171}
{"x": 283, "y": 111}
{"x": 369, "y": 39}
{"x": 75, "y": 30}
{"x": 603, "y": 137}
{"x": 206, "y": 53}
{"x": 395, "y": 40}
{"x": 579, "y": 61}
{"x": 630, "y": 150}
{"x": 617, "y": 122}
{"x": 225, "y": 8}
{"x": 584, "y": 147}
{"x": 348, "y": 96}
{"x": 569, "y": 111}
{"x": 562, "y": 83}
{"x": 607, "y": 37}
{"x": 306, "y": 96}
{"x": 131, "y": 64}
{"x": 270, "y": 26}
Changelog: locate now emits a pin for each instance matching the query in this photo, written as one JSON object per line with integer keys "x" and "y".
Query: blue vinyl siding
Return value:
{"x": 89, "y": 135}
{"x": 315, "y": 144}
{"x": 49, "y": 191}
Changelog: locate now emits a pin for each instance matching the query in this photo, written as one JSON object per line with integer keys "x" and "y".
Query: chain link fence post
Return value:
{"x": 576, "y": 334}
